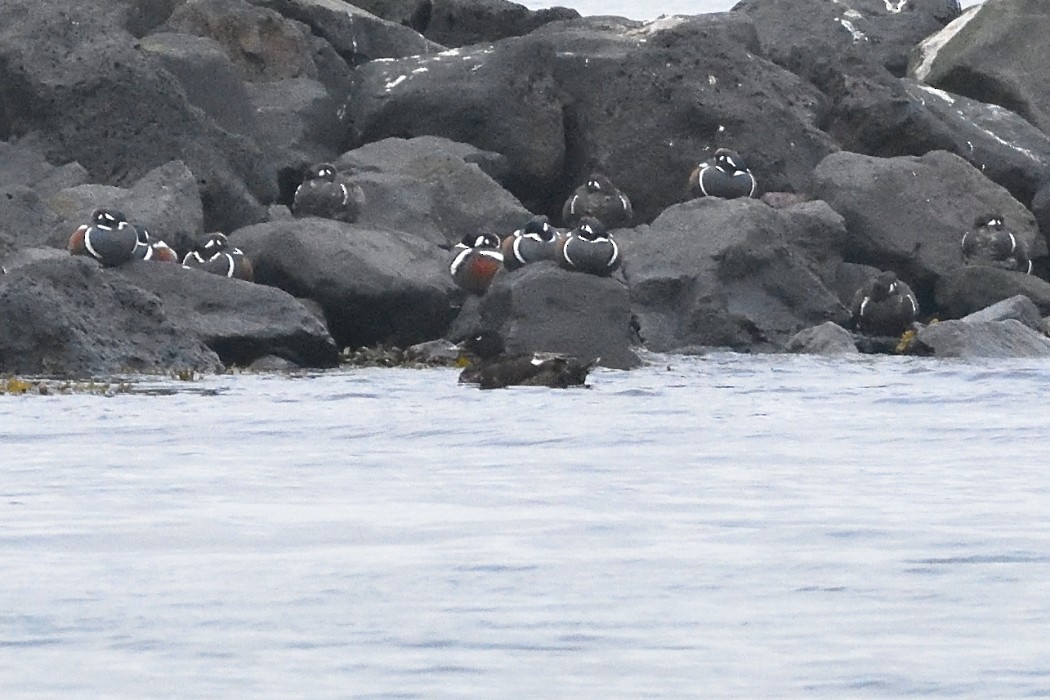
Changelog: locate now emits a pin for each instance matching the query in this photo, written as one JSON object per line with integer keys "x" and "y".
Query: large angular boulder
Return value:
{"x": 990, "y": 58}
{"x": 544, "y": 308}
{"x": 76, "y": 85}
{"x": 297, "y": 124}
{"x": 828, "y": 339}
{"x": 68, "y": 316}
{"x": 881, "y": 32}
{"x": 240, "y": 321}
{"x": 375, "y": 286}
{"x": 733, "y": 273}
{"x": 644, "y": 103}
{"x": 966, "y": 290}
{"x": 37, "y": 224}
{"x": 27, "y": 167}
{"x": 262, "y": 44}
{"x": 433, "y": 188}
{"x": 358, "y": 36}
{"x": 981, "y": 339}
{"x": 1018, "y": 307}
{"x": 909, "y": 214}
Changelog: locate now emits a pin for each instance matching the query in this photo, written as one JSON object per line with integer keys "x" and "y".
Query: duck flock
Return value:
{"x": 884, "y": 306}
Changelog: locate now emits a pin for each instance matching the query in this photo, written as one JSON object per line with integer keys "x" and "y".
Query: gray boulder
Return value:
{"x": 20, "y": 165}
{"x": 70, "y": 317}
{"x": 240, "y": 321}
{"x": 1018, "y": 307}
{"x": 981, "y": 339}
{"x": 828, "y": 339}
{"x": 542, "y": 307}
{"x": 966, "y": 290}
{"x": 908, "y": 214}
{"x": 433, "y": 188}
{"x": 376, "y": 286}
{"x": 881, "y": 32}
{"x": 732, "y": 273}
{"x": 990, "y": 58}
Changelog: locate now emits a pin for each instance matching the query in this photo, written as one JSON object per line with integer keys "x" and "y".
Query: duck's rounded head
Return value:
{"x": 322, "y": 171}
{"x": 108, "y": 218}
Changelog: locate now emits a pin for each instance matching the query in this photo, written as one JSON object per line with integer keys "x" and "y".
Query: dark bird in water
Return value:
{"x": 109, "y": 238}
{"x": 327, "y": 193}
{"x": 991, "y": 244}
{"x": 588, "y": 248}
{"x": 600, "y": 198}
{"x": 885, "y": 306}
{"x": 536, "y": 241}
{"x": 215, "y": 255}
{"x": 492, "y": 368}
{"x": 475, "y": 261}
{"x": 724, "y": 175}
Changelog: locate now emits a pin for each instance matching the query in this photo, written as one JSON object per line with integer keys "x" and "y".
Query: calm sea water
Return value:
{"x": 649, "y": 9}
{"x": 725, "y": 526}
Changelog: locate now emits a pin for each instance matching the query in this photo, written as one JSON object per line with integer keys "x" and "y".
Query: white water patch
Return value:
{"x": 929, "y": 47}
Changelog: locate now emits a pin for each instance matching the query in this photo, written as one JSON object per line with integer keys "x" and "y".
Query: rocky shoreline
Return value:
{"x": 876, "y": 132}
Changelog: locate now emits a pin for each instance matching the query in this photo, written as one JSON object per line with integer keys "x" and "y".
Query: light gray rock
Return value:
{"x": 1018, "y": 307}
{"x": 992, "y": 339}
{"x": 826, "y": 339}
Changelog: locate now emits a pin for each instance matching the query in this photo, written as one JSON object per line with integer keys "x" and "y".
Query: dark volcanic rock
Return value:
{"x": 433, "y": 188}
{"x": 990, "y": 58}
{"x": 76, "y": 86}
{"x": 992, "y": 339}
{"x": 375, "y": 286}
{"x": 36, "y": 225}
{"x": 358, "y": 36}
{"x": 240, "y": 321}
{"x": 826, "y": 339}
{"x": 71, "y": 317}
{"x": 882, "y": 32}
{"x": 966, "y": 290}
{"x": 541, "y": 307}
{"x": 732, "y": 273}
{"x": 222, "y": 96}
{"x": 27, "y": 167}
{"x": 262, "y": 44}
{"x": 909, "y": 214}
{"x": 1019, "y": 308}
{"x": 643, "y": 103}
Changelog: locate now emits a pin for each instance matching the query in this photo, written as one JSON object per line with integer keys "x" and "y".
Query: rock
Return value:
{"x": 881, "y": 32}
{"x": 461, "y": 22}
{"x": 166, "y": 201}
{"x": 988, "y": 59}
{"x": 433, "y": 188}
{"x": 376, "y": 286}
{"x": 71, "y": 317}
{"x": 240, "y": 321}
{"x": 1003, "y": 146}
{"x": 1018, "y": 307}
{"x": 828, "y": 339}
{"x": 1008, "y": 339}
{"x": 78, "y": 88}
{"x": 591, "y": 94}
{"x": 433, "y": 352}
{"x": 732, "y": 273}
{"x": 208, "y": 78}
{"x": 263, "y": 45}
{"x": 26, "y": 167}
{"x": 37, "y": 224}
{"x": 969, "y": 289}
{"x": 358, "y": 36}
{"x": 909, "y": 214}
{"x": 297, "y": 123}
{"x": 542, "y": 308}
{"x": 1041, "y": 208}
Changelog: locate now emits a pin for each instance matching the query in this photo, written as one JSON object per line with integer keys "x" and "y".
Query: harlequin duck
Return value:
{"x": 215, "y": 254}
{"x": 589, "y": 248}
{"x": 724, "y": 175}
{"x": 109, "y": 238}
{"x": 475, "y": 260}
{"x": 600, "y": 198}
{"x": 148, "y": 248}
{"x": 884, "y": 306}
{"x": 327, "y": 193}
{"x": 536, "y": 241}
{"x": 491, "y": 368}
{"x": 990, "y": 244}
